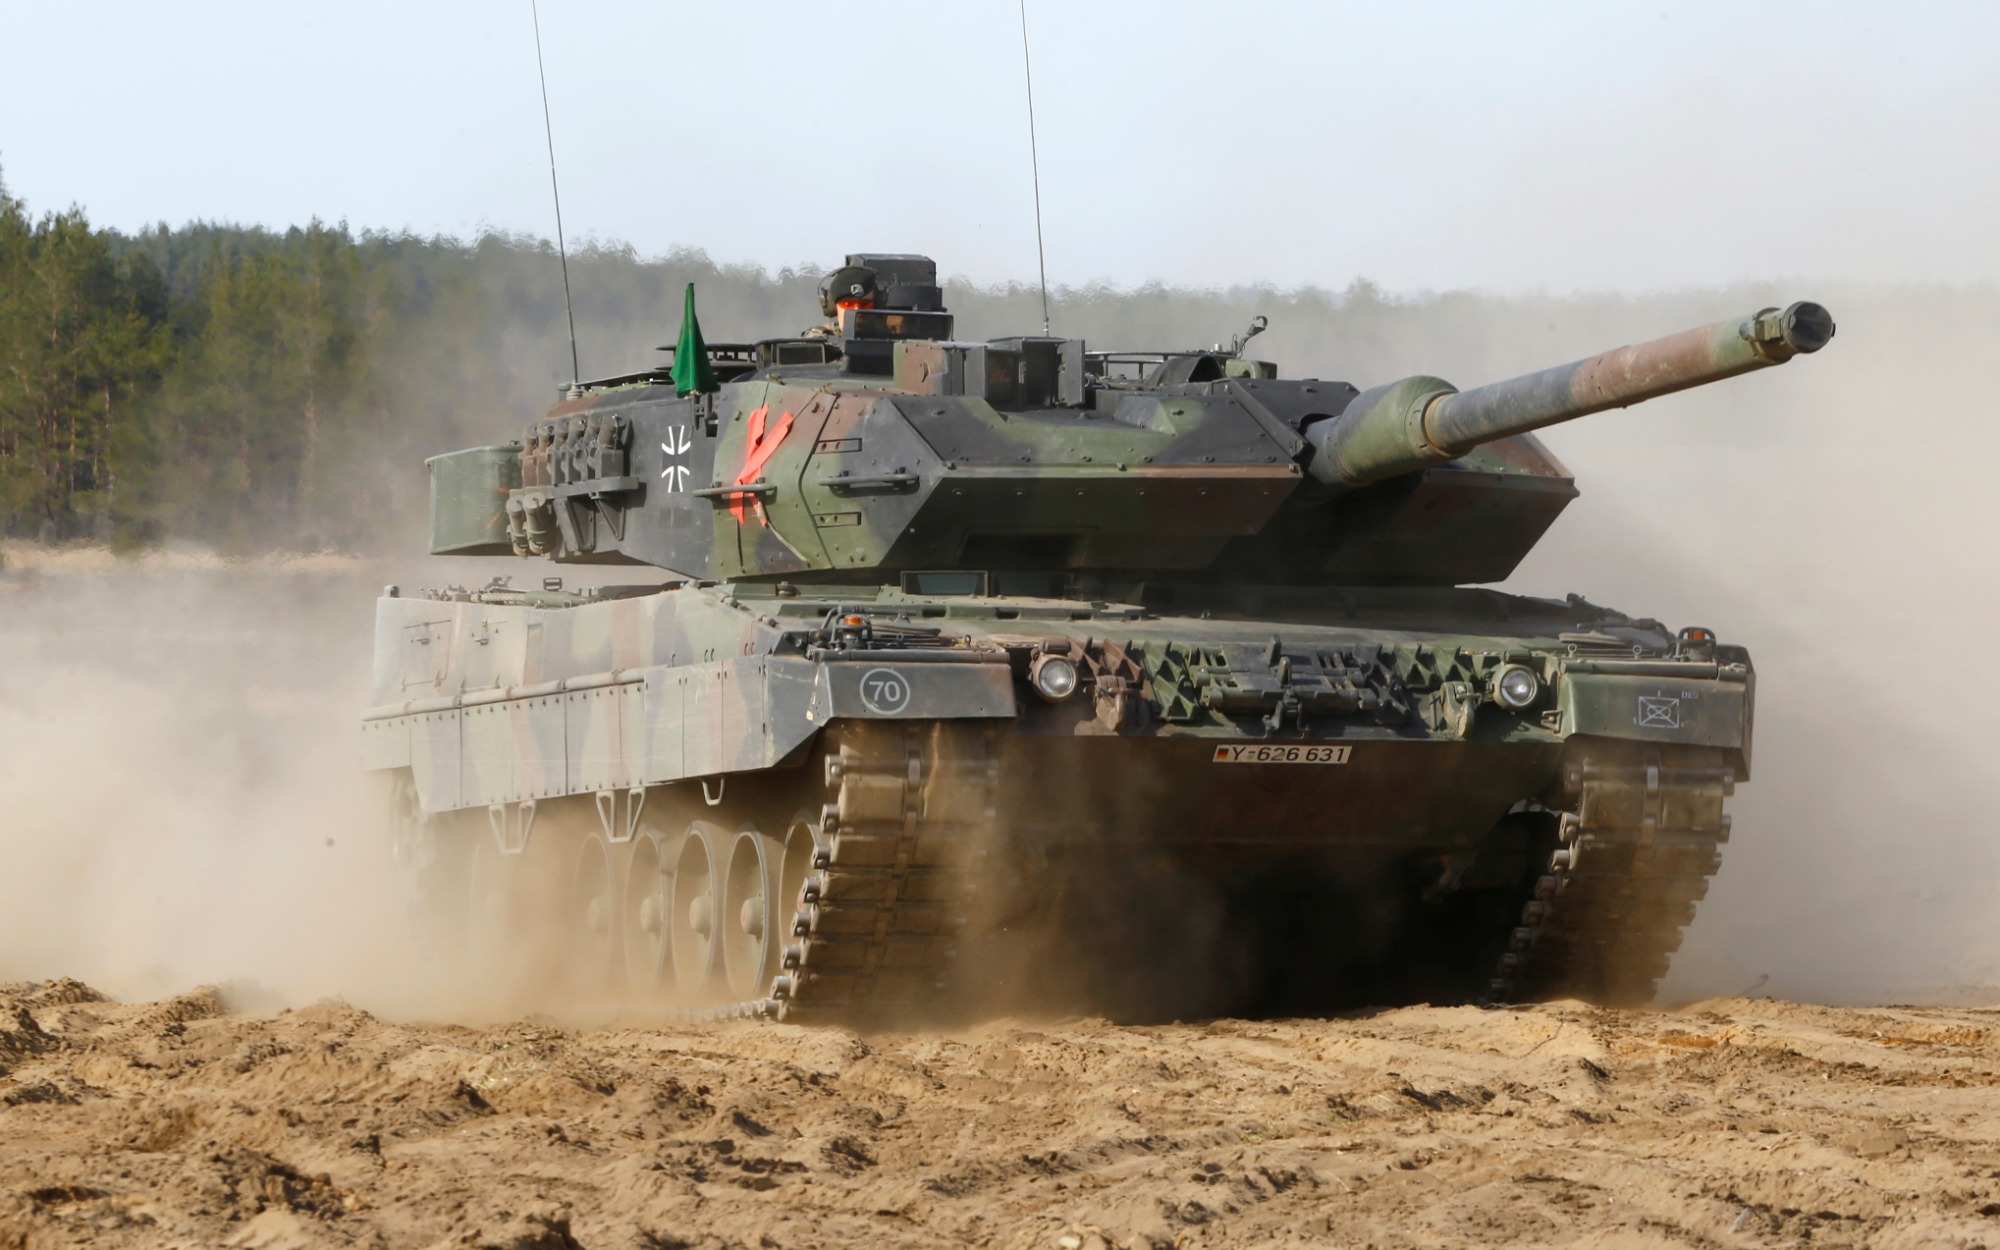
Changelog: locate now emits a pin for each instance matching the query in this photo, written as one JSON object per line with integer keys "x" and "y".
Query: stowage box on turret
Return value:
{"x": 1161, "y": 656}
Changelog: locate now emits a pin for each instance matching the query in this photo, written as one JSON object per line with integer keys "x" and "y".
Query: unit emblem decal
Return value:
{"x": 1659, "y": 712}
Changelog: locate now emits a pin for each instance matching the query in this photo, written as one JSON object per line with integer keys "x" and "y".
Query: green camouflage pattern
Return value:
{"x": 501, "y": 696}
{"x": 1184, "y": 601}
{"x": 1206, "y": 485}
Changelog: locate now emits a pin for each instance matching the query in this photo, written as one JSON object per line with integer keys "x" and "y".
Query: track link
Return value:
{"x": 877, "y": 923}
{"x": 1634, "y": 856}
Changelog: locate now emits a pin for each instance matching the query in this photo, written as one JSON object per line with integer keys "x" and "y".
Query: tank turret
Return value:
{"x": 878, "y": 446}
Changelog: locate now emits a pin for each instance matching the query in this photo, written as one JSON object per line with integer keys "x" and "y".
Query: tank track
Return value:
{"x": 877, "y": 923}
{"x": 1632, "y": 860}
{"x": 874, "y": 930}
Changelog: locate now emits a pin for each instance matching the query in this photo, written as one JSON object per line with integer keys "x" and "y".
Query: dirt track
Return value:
{"x": 1737, "y": 1122}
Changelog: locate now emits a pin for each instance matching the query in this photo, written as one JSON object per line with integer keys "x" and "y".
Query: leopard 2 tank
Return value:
{"x": 953, "y": 666}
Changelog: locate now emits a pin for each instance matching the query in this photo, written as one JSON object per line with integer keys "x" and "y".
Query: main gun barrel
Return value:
{"x": 1422, "y": 421}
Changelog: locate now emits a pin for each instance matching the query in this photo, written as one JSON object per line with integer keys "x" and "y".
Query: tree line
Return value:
{"x": 251, "y": 389}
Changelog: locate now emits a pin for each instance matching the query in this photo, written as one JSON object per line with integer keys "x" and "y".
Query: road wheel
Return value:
{"x": 696, "y": 909}
{"x": 493, "y": 923}
{"x": 591, "y": 935}
{"x": 642, "y": 917}
{"x": 430, "y": 868}
{"x": 753, "y": 921}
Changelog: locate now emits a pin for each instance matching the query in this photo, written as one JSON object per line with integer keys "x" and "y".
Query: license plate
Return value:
{"x": 1265, "y": 753}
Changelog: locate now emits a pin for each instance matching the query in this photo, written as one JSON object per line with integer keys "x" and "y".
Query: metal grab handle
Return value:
{"x": 723, "y": 492}
{"x": 886, "y": 481}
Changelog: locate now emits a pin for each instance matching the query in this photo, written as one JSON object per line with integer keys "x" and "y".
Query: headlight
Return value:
{"x": 1053, "y": 677}
{"x": 1516, "y": 688}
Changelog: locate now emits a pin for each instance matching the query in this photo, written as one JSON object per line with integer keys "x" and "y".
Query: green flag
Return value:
{"x": 691, "y": 370}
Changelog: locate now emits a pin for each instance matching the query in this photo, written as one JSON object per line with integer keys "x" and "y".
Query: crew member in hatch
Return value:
{"x": 850, "y": 286}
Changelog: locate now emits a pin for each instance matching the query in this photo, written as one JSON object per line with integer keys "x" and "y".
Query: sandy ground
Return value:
{"x": 232, "y": 841}
{"x": 1733, "y": 1122}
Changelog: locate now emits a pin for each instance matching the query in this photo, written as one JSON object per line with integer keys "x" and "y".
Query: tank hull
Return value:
{"x": 1336, "y": 769}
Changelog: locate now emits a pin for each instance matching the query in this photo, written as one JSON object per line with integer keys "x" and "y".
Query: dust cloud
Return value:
{"x": 1836, "y": 516}
{"x": 180, "y": 798}
{"x": 177, "y": 756}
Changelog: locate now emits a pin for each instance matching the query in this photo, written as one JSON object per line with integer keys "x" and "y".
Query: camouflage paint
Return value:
{"x": 489, "y": 701}
{"x": 1217, "y": 550}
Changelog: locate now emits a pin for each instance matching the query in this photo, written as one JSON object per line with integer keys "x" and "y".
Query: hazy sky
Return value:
{"x": 1504, "y": 146}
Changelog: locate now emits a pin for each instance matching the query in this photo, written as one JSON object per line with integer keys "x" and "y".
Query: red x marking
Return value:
{"x": 756, "y": 450}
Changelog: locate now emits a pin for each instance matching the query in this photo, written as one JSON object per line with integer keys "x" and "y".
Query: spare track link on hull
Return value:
{"x": 1634, "y": 858}
{"x": 877, "y": 923}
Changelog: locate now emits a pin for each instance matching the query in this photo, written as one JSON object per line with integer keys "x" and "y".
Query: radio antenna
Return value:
{"x": 1035, "y": 164}
{"x": 562, "y": 250}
